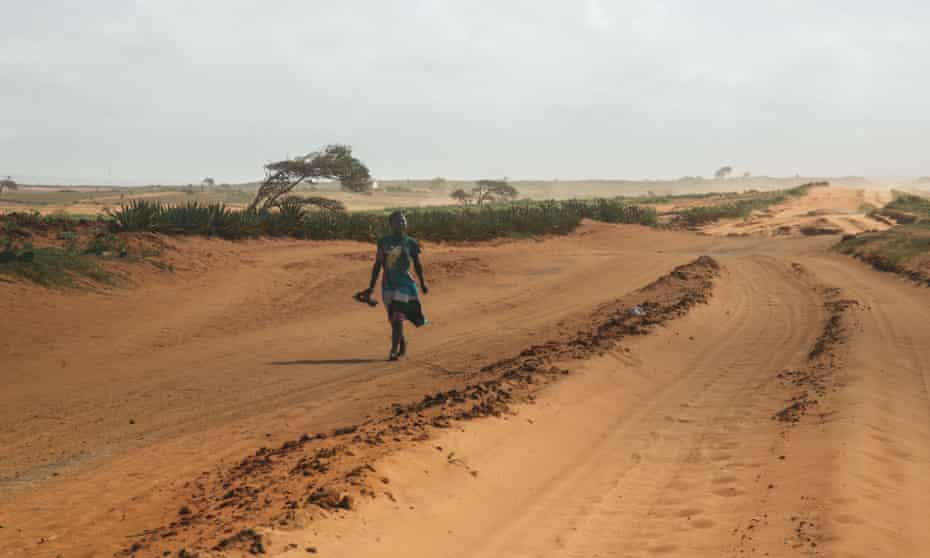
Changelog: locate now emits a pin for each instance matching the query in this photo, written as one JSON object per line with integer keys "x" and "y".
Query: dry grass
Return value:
{"x": 903, "y": 249}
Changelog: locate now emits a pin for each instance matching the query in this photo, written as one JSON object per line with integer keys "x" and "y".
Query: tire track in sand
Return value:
{"x": 876, "y": 484}
{"x": 657, "y": 452}
{"x": 686, "y": 478}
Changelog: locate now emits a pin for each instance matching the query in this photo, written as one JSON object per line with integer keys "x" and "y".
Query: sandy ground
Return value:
{"x": 833, "y": 210}
{"x": 789, "y": 416}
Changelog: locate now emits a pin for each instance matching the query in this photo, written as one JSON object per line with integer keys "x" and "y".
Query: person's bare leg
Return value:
{"x": 397, "y": 336}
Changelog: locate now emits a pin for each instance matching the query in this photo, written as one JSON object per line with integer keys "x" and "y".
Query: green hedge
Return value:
{"x": 447, "y": 223}
{"x": 738, "y": 209}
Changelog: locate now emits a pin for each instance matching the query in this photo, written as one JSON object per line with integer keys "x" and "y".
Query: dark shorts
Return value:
{"x": 410, "y": 311}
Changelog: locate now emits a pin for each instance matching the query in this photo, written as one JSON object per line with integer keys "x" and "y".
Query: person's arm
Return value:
{"x": 375, "y": 270}
{"x": 419, "y": 269}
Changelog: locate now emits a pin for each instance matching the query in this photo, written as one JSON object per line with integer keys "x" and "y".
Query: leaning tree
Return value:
{"x": 331, "y": 162}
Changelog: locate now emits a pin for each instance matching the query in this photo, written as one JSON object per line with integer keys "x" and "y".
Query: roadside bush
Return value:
{"x": 910, "y": 203}
{"x": 695, "y": 216}
{"x": 104, "y": 244}
{"x": 903, "y": 249}
{"x": 904, "y": 209}
{"x": 137, "y": 215}
{"x": 449, "y": 223}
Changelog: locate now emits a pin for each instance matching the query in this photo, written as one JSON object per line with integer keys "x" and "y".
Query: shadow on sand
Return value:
{"x": 326, "y": 361}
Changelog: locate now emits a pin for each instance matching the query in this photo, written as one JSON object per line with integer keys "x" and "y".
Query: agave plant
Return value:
{"x": 219, "y": 220}
{"x": 137, "y": 215}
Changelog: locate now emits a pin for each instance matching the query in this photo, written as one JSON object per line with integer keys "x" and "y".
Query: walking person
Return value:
{"x": 396, "y": 252}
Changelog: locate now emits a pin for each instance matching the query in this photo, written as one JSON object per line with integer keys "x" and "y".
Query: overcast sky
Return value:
{"x": 175, "y": 90}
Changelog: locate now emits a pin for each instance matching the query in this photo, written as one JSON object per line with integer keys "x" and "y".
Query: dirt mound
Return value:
{"x": 811, "y": 383}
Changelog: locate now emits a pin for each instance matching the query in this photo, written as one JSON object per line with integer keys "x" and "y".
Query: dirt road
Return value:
{"x": 724, "y": 432}
{"x": 671, "y": 449}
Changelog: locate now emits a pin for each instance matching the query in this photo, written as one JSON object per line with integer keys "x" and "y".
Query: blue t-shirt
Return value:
{"x": 396, "y": 254}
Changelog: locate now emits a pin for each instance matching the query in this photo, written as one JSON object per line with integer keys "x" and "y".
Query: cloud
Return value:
{"x": 167, "y": 90}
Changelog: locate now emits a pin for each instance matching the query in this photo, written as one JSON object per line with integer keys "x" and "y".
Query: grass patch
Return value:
{"x": 36, "y": 221}
{"x": 75, "y": 260}
{"x": 907, "y": 208}
{"x": 739, "y": 209}
{"x": 672, "y": 198}
{"x": 904, "y": 201}
{"x": 903, "y": 209}
{"x": 903, "y": 249}
{"x": 53, "y": 266}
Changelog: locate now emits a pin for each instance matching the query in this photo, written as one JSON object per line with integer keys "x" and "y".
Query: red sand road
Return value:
{"x": 112, "y": 402}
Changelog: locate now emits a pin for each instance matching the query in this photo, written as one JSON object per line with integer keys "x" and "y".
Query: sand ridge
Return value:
{"x": 823, "y": 211}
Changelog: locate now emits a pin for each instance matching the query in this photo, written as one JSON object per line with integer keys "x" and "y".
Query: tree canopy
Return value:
{"x": 461, "y": 196}
{"x": 331, "y": 162}
{"x": 723, "y": 172}
{"x": 486, "y": 191}
{"x": 494, "y": 190}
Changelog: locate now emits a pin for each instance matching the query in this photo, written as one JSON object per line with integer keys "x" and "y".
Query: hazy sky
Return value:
{"x": 172, "y": 90}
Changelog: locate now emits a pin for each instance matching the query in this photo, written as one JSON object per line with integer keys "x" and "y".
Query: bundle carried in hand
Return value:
{"x": 365, "y": 296}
